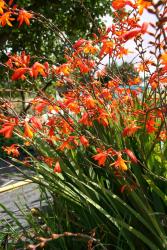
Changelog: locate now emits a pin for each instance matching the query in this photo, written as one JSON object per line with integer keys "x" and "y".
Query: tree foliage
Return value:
{"x": 75, "y": 18}
{"x": 72, "y": 18}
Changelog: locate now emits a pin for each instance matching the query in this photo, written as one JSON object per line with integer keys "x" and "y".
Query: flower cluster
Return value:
{"x": 95, "y": 110}
{"x": 9, "y": 13}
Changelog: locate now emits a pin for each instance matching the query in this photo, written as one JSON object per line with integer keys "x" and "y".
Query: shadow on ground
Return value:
{"x": 10, "y": 173}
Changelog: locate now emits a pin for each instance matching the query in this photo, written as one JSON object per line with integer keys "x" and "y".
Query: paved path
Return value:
{"x": 9, "y": 174}
{"x": 27, "y": 195}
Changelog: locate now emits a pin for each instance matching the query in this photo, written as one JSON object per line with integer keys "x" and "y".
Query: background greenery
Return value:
{"x": 76, "y": 18}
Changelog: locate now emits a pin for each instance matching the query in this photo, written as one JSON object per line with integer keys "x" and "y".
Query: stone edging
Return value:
{"x": 14, "y": 186}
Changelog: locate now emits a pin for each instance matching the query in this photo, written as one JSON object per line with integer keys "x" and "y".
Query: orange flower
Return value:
{"x": 5, "y": 19}
{"x": 65, "y": 145}
{"x": 36, "y": 123}
{"x": 10, "y": 2}
{"x": 38, "y": 68}
{"x": 84, "y": 141}
{"x": 85, "y": 120}
{"x": 135, "y": 32}
{"x": 131, "y": 129}
{"x": 103, "y": 117}
{"x": 143, "y": 4}
{"x": 24, "y": 16}
{"x": 107, "y": 48}
{"x": 19, "y": 73}
{"x": 131, "y": 155}
{"x": 20, "y": 61}
{"x": 163, "y": 135}
{"x": 150, "y": 126}
{"x": 89, "y": 49}
{"x": 122, "y": 52}
{"x": 7, "y": 128}
{"x": 79, "y": 43}
{"x": 144, "y": 66}
{"x": 39, "y": 104}
{"x": 164, "y": 58}
{"x": 144, "y": 27}
{"x": 13, "y": 149}
{"x": 120, "y": 163}
{"x": 57, "y": 168}
{"x": 74, "y": 107}
{"x": 102, "y": 156}
{"x": 28, "y": 132}
{"x": 128, "y": 187}
{"x": 119, "y": 4}
{"x": 89, "y": 102}
{"x": 2, "y": 6}
{"x": 62, "y": 69}
{"x": 27, "y": 143}
{"x": 48, "y": 160}
{"x": 83, "y": 66}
